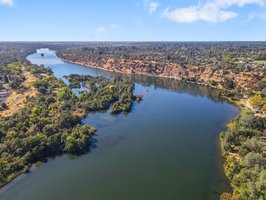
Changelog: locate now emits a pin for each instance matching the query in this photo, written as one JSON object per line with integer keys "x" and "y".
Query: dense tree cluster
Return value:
{"x": 227, "y": 55}
{"x": 45, "y": 127}
{"x": 243, "y": 146}
{"x": 51, "y": 124}
{"x": 17, "y": 51}
{"x": 14, "y": 52}
{"x": 258, "y": 102}
{"x": 37, "y": 70}
{"x": 102, "y": 93}
{"x": 11, "y": 74}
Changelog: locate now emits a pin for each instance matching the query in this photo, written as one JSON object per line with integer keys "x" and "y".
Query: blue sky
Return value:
{"x": 132, "y": 20}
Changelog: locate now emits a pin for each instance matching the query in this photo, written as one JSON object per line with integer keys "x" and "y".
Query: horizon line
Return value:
{"x": 124, "y": 41}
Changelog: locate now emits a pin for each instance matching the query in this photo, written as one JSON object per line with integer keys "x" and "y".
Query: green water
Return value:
{"x": 167, "y": 148}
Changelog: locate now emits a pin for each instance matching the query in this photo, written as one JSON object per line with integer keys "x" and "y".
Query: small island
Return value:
{"x": 103, "y": 93}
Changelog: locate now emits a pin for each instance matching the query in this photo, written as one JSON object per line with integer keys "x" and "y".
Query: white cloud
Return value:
{"x": 153, "y": 6}
{"x": 251, "y": 16}
{"x": 114, "y": 25}
{"x": 259, "y": 16}
{"x": 6, "y": 2}
{"x": 100, "y": 29}
{"x": 240, "y": 3}
{"x": 192, "y": 14}
{"x": 211, "y": 11}
{"x": 106, "y": 28}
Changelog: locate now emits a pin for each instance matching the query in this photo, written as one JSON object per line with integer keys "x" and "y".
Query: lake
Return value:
{"x": 167, "y": 148}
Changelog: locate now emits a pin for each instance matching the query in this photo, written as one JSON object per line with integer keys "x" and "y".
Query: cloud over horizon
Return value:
{"x": 211, "y": 11}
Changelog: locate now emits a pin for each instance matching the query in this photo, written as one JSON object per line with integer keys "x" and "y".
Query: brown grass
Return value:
{"x": 16, "y": 101}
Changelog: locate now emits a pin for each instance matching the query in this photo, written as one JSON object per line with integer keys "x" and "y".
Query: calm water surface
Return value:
{"x": 167, "y": 148}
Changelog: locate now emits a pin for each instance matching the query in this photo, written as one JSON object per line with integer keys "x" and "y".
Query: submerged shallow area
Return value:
{"x": 166, "y": 148}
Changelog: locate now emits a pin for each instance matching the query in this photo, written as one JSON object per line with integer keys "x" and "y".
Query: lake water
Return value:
{"x": 167, "y": 148}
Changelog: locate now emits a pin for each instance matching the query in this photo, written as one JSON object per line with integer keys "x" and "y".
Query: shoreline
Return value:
{"x": 241, "y": 104}
{"x": 20, "y": 174}
{"x": 139, "y": 74}
{"x": 238, "y": 104}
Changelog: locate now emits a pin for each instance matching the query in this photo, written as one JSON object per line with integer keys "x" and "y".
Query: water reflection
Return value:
{"x": 61, "y": 68}
{"x": 167, "y": 148}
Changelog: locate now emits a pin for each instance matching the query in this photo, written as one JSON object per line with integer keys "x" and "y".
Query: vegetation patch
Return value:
{"x": 50, "y": 124}
{"x": 244, "y": 149}
{"x": 18, "y": 81}
{"x": 102, "y": 93}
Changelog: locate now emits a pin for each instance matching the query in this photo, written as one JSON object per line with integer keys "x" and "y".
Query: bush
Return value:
{"x": 3, "y": 105}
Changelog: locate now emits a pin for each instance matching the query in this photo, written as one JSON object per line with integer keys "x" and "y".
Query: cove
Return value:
{"x": 166, "y": 148}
